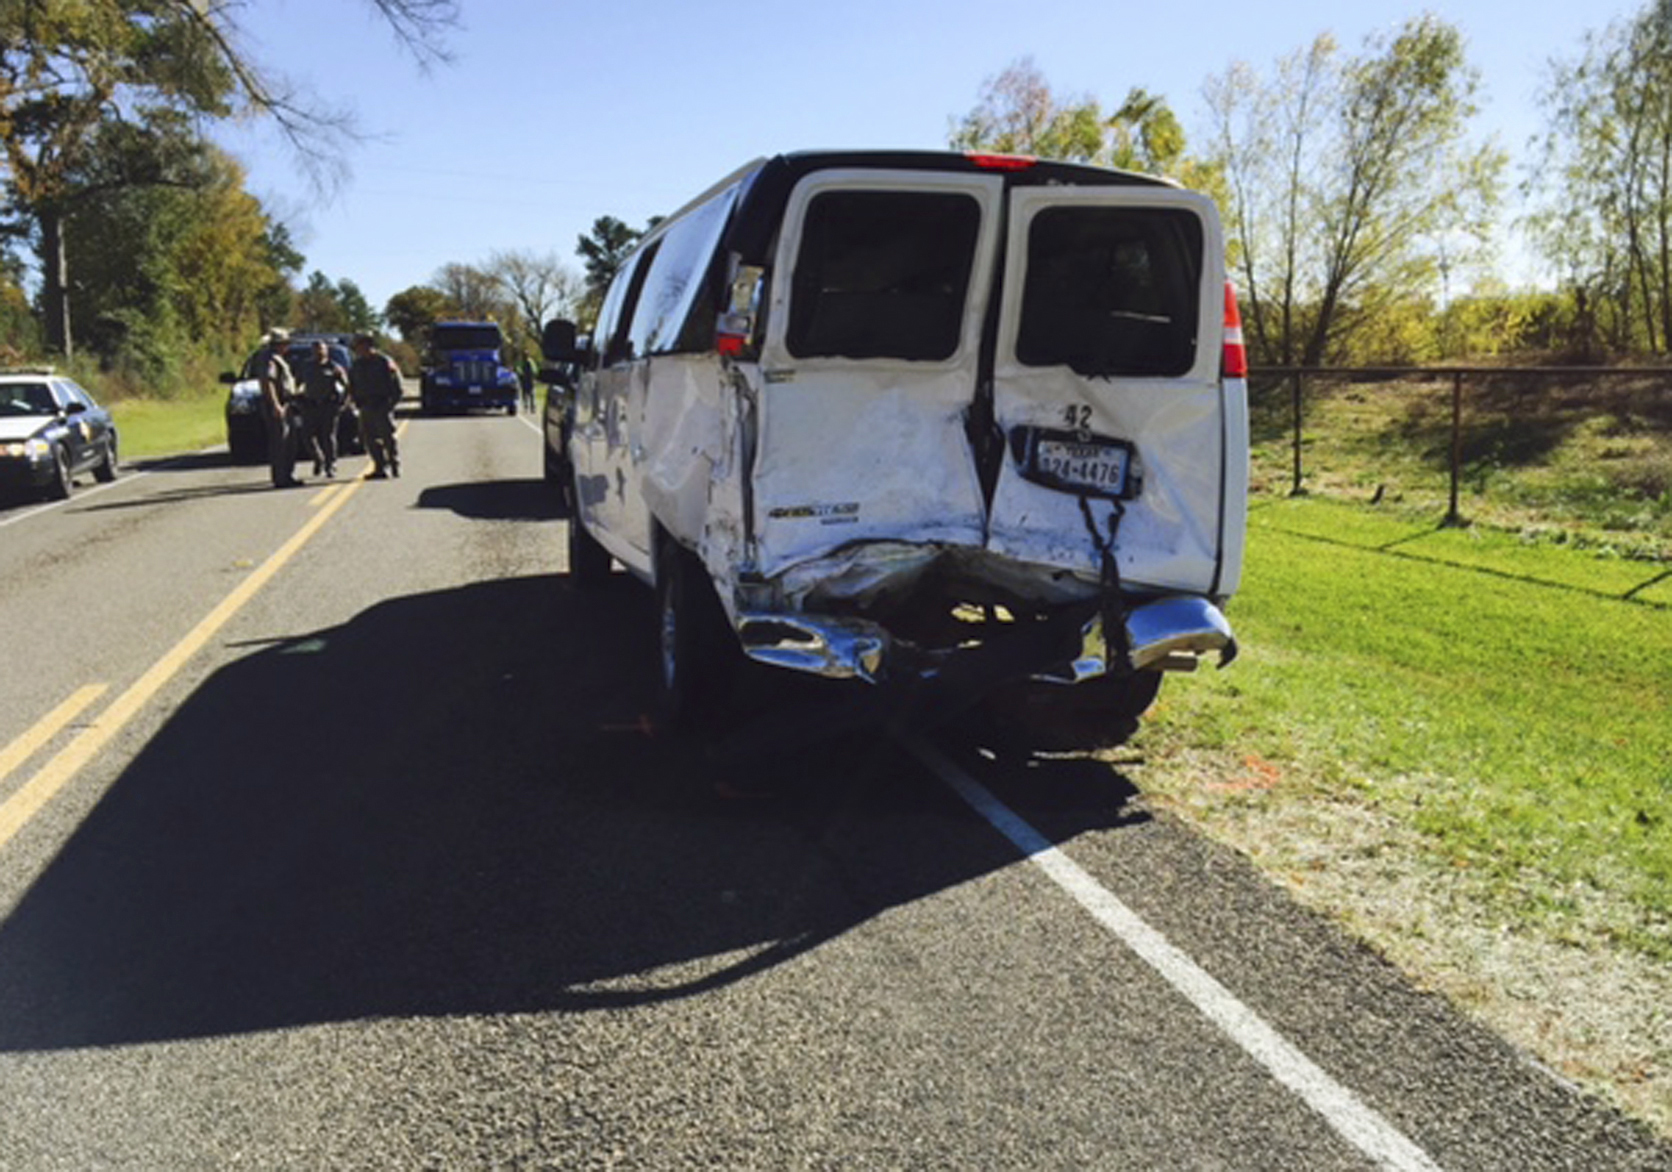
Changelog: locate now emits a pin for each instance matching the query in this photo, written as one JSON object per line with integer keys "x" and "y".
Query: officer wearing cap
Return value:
{"x": 374, "y": 383}
{"x": 278, "y": 389}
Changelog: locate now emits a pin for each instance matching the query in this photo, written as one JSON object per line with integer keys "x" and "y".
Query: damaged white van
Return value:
{"x": 955, "y": 426}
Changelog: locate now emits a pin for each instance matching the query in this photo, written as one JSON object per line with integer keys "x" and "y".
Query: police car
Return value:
{"x": 51, "y": 431}
{"x": 246, "y": 424}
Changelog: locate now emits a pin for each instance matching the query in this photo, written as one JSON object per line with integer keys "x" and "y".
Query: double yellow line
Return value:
{"x": 40, "y": 789}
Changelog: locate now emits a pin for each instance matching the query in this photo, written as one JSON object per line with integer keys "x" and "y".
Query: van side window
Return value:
{"x": 618, "y": 342}
{"x": 678, "y": 276}
{"x": 883, "y": 274}
{"x": 1111, "y": 291}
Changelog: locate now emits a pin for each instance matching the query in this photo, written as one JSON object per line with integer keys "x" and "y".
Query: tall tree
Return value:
{"x": 541, "y": 286}
{"x": 1018, "y": 113}
{"x": 413, "y": 310}
{"x": 69, "y": 66}
{"x": 1350, "y": 180}
{"x": 602, "y": 250}
{"x": 473, "y": 292}
{"x": 1606, "y": 179}
{"x": 182, "y": 260}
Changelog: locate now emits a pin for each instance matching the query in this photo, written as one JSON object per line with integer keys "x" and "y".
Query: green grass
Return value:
{"x": 1505, "y": 699}
{"x": 1567, "y": 460}
{"x": 157, "y": 427}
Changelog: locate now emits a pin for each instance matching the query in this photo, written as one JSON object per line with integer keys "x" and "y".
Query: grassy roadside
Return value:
{"x": 165, "y": 427}
{"x": 1461, "y": 744}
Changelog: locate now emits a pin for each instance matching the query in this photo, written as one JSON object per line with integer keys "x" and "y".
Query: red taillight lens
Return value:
{"x": 1234, "y": 364}
{"x": 729, "y": 345}
{"x": 991, "y": 162}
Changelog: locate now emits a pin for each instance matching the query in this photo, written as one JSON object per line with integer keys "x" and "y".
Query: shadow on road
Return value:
{"x": 450, "y": 806}
{"x": 495, "y": 500}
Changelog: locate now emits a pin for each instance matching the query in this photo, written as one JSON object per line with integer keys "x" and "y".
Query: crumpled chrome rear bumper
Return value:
{"x": 1168, "y": 634}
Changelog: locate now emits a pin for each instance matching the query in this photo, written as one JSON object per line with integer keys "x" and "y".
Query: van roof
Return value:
{"x": 768, "y": 182}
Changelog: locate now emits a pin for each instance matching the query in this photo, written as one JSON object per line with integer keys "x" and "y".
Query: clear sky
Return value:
{"x": 557, "y": 112}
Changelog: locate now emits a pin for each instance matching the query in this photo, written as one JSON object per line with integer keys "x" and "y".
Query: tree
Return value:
{"x": 333, "y": 308}
{"x": 603, "y": 250}
{"x": 70, "y": 67}
{"x": 1019, "y": 114}
{"x": 473, "y": 293}
{"x": 1606, "y": 180}
{"x": 541, "y": 287}
{"x": 178, "y": 258}
{"x": 413, "y": 310}
{"x": 1350, "y": 182}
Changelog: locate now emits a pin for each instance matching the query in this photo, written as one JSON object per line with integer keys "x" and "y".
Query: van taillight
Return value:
{"x": 991, "y": 162}
{"x": 729, "y": 345}
{"x": 1234, "y": 364}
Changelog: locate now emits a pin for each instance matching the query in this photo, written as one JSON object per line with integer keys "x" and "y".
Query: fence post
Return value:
{"x": 1296, "y": 489}
{"x": 1454, "y": 518}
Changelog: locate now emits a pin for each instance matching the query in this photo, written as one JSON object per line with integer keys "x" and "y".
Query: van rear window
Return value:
{"x": 1112, "y": 291}
{"x": 883, "y": 274}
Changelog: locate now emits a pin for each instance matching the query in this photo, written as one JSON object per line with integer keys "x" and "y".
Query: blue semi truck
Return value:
{"x": 463, "y": 369}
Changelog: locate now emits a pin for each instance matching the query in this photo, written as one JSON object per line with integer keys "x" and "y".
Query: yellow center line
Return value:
{"x": 323, "y": 495}
{"x": 47, "y": 727}
{"x": 56, "y": 773}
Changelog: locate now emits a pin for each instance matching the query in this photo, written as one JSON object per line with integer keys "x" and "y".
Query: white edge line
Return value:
{"x": 1356, "y": 1122}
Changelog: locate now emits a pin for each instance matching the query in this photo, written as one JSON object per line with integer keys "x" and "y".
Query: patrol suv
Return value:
{"x": 954, "y": 426}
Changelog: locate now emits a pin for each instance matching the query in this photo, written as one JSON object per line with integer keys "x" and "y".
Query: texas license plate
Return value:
{"x": 1080, "y": 464}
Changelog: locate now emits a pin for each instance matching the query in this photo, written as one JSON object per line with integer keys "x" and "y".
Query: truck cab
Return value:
{"x": 463, "y": 369}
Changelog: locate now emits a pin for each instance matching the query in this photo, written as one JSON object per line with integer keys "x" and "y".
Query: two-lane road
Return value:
{"x": 330, "y": 837}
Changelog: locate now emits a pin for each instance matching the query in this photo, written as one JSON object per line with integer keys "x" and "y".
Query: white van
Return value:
{"x": 924, "y": 420}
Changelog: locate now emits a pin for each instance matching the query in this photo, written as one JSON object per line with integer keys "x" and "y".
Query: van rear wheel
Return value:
{"x": 695, "y": 647}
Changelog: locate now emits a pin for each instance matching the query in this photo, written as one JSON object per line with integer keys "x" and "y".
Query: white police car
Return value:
{"x": 51, "y": 431}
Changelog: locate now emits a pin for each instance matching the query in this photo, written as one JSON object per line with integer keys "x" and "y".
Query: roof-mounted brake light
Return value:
{"x": 992, "y": 162}
{"x": 1234, "y": 363}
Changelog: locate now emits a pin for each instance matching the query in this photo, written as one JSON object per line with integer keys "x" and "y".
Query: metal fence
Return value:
{"x": 1458, "y": 381}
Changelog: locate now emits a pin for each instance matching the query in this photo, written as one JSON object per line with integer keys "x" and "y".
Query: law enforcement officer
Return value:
{"x": 278, "y": 389}
{"x": 324, "y": 388}
{"x": 374, "y": 383}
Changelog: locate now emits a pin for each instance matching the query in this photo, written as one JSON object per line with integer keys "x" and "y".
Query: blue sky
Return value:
{"x": 556, "y": 112}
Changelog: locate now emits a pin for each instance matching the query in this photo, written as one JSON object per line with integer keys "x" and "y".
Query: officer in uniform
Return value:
{"x": 278, "y": 389}
{"x": 374, "y": 383}
{"x": 324, "y": 388}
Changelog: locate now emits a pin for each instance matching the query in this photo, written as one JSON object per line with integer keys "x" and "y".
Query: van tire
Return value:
{"x": 589, "y": 562}
{"x": 695, "y": 648}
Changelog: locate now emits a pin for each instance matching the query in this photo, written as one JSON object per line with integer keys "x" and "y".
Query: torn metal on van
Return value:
{"x": 865, "y": 414}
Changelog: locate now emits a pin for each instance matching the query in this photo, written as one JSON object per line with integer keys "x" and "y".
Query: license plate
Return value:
{"x": 1079, "y": 464}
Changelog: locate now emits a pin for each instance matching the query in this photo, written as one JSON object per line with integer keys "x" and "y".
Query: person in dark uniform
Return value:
{"x": 324, "y": 389}
{"x": 374, "y": 383}
{"x": 278, "y": 390}
{"x": 525, "y": 376}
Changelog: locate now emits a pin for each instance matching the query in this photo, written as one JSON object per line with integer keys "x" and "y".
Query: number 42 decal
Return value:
{"x": 1077, "y": 416}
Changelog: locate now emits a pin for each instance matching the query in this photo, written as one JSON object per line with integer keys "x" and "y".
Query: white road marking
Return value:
{"x": 1351, "y": 1118}
{"x": 79, "y": 495}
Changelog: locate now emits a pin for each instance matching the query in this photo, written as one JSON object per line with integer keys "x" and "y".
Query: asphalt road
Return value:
{"x": 331, "y": 837}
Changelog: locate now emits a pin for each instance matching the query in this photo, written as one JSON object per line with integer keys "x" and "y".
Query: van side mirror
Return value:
{"x": 557, "y": 341}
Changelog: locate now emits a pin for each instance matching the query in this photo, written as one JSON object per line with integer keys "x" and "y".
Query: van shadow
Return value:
{"x": 449, "y": 806}
{"x": 495, "y": 500}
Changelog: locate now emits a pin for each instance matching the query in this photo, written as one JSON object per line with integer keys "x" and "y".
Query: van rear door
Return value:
{"x": 1106, "y": 385}
{"x": 870, "y": 362}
